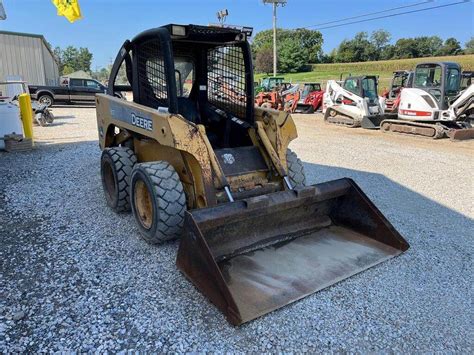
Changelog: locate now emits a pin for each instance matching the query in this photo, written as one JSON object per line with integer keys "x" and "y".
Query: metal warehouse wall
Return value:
{"x": 28, "y": 57}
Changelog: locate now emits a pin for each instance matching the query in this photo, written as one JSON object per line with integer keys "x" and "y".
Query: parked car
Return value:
{"x": 76, "y": 91}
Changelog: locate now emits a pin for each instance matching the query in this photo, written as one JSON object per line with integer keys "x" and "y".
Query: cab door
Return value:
{"x": 77, "y": 90}
{"x": 92, "y": 88}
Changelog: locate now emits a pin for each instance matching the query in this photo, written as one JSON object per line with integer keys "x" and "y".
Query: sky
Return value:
{"x": 106, "y": 24}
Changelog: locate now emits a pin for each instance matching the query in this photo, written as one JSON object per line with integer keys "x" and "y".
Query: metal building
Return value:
{"x": 27, "y": 56}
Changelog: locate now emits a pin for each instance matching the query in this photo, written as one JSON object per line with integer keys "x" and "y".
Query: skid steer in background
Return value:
{"x": 216, "y": 171}
{"x": 401, "y": 79}
{"x": 435, "y": 107}
{"x": 268, "y": 84}
{"x": 311, "y": 98}
{"x": 355, "y": 103}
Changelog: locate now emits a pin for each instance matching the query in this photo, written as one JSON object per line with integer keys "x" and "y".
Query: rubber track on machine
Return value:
{"x": 438, "y": 131}
{"x": 340, "y": 122}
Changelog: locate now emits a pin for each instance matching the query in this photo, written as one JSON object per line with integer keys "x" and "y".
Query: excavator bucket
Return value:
{"x": 253, "y": 256}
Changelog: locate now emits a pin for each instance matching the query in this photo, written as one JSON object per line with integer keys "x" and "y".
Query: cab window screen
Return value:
{"x": 226, "y": 79}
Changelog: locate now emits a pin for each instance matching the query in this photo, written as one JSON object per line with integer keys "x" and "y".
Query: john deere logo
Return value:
{"x": 142, "y": 122}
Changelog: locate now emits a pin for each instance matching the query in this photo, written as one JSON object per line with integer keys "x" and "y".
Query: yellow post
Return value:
{"x": 26, "y": 115}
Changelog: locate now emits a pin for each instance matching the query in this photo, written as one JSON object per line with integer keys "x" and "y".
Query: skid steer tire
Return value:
{"x": 295, "y": 169}
{"x": 158, "y": 201}
{"x": 116, "y": 169}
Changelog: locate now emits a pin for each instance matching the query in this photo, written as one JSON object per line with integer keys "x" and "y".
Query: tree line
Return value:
{"x": 300, "y": 47}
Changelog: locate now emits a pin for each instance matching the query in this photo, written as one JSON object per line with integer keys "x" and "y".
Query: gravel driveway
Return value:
{"x": 76, "y": 276}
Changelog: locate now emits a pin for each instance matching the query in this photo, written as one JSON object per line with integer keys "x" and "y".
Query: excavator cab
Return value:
{"x": 194, "y": 159}
{"x": 441, "y": 80}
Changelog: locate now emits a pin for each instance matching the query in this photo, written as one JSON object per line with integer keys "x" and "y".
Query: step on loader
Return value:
{"x": 192, "y": 157}
{"x": 354, "y": 103}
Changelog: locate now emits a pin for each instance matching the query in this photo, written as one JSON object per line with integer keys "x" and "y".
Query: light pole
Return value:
{"x": 275, "y": 4}
{"x": 222, "y": 15}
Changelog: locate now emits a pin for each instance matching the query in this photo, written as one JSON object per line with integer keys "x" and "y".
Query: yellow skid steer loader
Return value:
{"x": 192, "y": 157}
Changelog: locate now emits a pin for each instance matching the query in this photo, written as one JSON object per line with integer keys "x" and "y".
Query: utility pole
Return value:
{"x": 275, "y": 4}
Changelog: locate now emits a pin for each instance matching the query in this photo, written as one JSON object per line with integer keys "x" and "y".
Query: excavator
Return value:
{"x": 355, "y": 103}
{"x": 435, "y": 107}
{"x": 215, "y": 171}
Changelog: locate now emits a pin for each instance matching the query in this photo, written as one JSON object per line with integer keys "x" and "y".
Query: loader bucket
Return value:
{"x": 253, "y": 256}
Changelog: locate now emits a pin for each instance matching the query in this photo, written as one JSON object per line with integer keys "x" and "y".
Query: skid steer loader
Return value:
{"x": 192, "y": 157}
{"x": 435, "y": 107}
{"x": 354, "y": 104}
{"x": 401, "y": 79}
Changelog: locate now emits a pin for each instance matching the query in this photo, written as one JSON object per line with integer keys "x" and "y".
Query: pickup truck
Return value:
{"x": 76, "y": 91}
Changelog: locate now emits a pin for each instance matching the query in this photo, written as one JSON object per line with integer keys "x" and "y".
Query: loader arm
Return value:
{"x": 463, "y": 104}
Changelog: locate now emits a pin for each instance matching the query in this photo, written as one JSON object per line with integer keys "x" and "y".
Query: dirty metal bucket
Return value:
{"x": 253, "y": 256}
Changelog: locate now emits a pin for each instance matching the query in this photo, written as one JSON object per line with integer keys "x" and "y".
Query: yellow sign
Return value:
{"x": 69, "y": 9}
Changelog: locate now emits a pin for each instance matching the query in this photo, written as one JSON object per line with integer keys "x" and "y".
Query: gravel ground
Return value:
{"x": 76, "y": 276}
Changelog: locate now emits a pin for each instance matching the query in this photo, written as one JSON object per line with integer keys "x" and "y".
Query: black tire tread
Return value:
{"x": 171, "y": 199}
{"x": 295, "y": 169}
{"x": 124, "y": 160}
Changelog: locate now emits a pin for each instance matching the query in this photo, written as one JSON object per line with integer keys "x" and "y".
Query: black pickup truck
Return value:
{"x": 76, "y": 91}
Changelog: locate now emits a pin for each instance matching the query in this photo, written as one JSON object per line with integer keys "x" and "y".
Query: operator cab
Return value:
{"x": 309, "y": 88}
{"x": 441, "y": 80}
{"x": 202, "y": 73}
{"x": 401, "y": 79}
{"x": 362, "y": 86}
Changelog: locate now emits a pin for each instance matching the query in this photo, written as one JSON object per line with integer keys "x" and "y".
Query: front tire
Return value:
{"x": 116, "y": 169}
{"x": 158, "y": 201}
{"x": 296, "y": 172}
{"x": 46, "y": 99}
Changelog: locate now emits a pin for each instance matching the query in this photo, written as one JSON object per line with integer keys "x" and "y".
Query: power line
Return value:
{"x": 391, "y": 15}
{"x": 372, "y": 13}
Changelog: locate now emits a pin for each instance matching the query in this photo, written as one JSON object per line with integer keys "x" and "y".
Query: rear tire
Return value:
{"x": 295, "y": 169}
{"x": 158, "y": 201}
{"x": 116, "y": 167}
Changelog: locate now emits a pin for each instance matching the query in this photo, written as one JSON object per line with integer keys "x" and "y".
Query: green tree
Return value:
{"x": 358, "y": 49}
{"x": 380, "y": 39}
{"x": 428, "y": 46}
{"x": 72, "y": 59}
{"x": 406, "y": 48}
{"x": 292, "y": 58}
{"x": 451, "y": 47}
{"x": 470, "y": 46}
{"x": 84, "y": 60}
{"x": 264, "y": 60}
{"x": 309, "y": 41}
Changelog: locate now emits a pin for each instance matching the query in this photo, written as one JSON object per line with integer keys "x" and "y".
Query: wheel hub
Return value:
{"x": 143, "y": 204}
